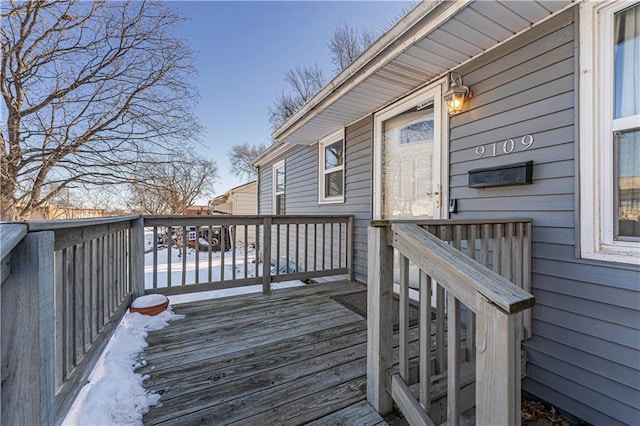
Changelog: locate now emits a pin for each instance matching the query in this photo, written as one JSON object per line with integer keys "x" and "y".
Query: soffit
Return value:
{"x": 469, "y": 32}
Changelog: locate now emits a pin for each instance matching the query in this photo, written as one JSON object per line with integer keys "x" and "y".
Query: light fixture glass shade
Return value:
{"x": 455, "y": 96}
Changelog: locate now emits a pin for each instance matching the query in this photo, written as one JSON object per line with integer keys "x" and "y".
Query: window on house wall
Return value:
{"x": 331, "y": 179}
{"x": 279, "y": 186}
{"x": 610, "y": 131}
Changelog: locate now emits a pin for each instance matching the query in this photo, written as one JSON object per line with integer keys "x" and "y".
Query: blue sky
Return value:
{"x": 243, "y": 50}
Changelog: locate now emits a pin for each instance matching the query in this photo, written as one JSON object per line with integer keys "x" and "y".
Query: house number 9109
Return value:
{"x": 506, "y": 147}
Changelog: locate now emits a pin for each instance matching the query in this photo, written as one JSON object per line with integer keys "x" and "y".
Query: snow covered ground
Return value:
{"x": 202, "y": 267}
{"x": 115, "y": 394}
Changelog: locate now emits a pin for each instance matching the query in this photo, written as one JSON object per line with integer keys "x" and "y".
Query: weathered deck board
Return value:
{"x": 291, "y": 357}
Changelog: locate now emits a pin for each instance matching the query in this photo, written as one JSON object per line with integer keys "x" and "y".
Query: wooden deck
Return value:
{"x": 293, "y": 357}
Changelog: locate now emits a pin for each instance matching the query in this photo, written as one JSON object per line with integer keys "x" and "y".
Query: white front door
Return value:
{"x": 409, "y": 158}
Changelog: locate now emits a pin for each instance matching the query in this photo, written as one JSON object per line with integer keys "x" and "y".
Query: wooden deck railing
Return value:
{"x": 67, "y": 284}
{"x": 484, "y": 354}
{"x": 216, "y": 252}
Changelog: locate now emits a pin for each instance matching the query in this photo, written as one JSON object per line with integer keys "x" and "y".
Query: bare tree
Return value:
{"x": 304, "y": 83}
{"x": 241, "y": 157}
{"x": 172, "y": 187}
{"x": 348, "y": 43}
{"x": 89, "y": 89}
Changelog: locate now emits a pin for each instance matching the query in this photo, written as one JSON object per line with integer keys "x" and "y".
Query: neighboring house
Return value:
{"x": 553, "y": 83}
{"x": 239, "y": 201}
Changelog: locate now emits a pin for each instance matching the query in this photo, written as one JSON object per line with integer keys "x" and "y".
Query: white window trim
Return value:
{"x": 440, "y": 146}
{"x": 276, "y": 166}
{"x": 596, "y": 127}
{"x": 332, "y": 138}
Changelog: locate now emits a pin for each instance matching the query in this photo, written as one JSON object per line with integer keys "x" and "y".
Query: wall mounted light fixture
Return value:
{"x": 457, "y": 93}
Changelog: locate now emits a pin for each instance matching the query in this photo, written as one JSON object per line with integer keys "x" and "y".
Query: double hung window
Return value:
{"x": 331, "y": 179}
{"x": 610, "y": 131}
{"x": 279, "y": 183}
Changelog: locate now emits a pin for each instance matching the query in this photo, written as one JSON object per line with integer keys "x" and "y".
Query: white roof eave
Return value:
{"x": 325, "y": 112}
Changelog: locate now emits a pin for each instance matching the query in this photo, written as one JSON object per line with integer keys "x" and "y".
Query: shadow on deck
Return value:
{"x": 293, "y": 357}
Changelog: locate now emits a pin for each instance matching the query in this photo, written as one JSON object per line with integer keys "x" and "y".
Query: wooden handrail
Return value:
{"x": 53, "y": 225}
{"x": 453, "y": 260}
{"x": 10, "y": 235}
{"x": 466, "y": 277}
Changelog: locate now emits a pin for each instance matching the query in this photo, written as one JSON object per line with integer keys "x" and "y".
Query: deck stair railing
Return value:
{"x": 471, "y": 355}
{"x": 67, "y": 284}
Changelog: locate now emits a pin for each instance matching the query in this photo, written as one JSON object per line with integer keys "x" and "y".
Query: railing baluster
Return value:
{"x": 425, "y": 340}
{"x": 324, "y": 246}
{"x": 278, "y": 249}
{"x": 484, "y": 244}
{"x": 331, "y": 248}
{"x": 526, "y": 276}
{"x": 87, "y": 284}
{"x": 169, "y": 247}
{"x": 223, "y": 250}
{"x": 68, "y": 311}
{"x": 155, "y": 257}
{"x": 349, "y": 246}
{"x": 185, "y": 245}
{"x": 257, "y": 249}
{"x": 288, "y": 255}
{"x": 472, "y": 235}
{"x": 453, "y": 361}
{"x": 110, "y": 277}
{"x": 457, "y": 237}
{"x": 340, "y": 245}
{"x": 297, "y": 247}
{"x": 498, "y": 232}
{"x": 246, "y": 251}
{"x": 306, "y": 247}
{"x": 197, "y": 249}
{"x": 210, "y": 253}
{"x": 315, "y": 246}
{"x": 266, "y": 262}
{"x": 101, "y": 283}
{"x": 95, "y": 298}
{"x": 509, "y": 252}
{"x": 232, "y": 238}
{"x": 441, "y": 361}
{"x": 60, "y": 352}
{"x": 404, "y": 318}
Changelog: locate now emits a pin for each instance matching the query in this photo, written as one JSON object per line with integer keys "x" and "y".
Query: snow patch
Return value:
{"x": 114, "y": 394}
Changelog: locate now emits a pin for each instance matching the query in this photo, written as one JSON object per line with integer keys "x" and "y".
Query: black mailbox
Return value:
{"x": 510, "y": 174}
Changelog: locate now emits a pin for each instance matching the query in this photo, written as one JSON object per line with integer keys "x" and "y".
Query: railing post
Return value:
{"x": 266, "y": 257}
{"x": 379, "y": 317}
{"x": 136, "y": 268}
{"x": 28, "y": 333}
{"x": 497, "y": 366}
{"x": 349, "y": 248}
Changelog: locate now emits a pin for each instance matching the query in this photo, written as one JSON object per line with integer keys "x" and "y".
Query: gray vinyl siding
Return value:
{"x": 584, "y": 355}
{"x": 301, "y": 182}
{"x": 265, "y": 190}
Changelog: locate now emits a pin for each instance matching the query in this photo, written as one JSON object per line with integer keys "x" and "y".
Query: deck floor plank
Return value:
{"x": 361, "y": 414}
{"x": 289, "y": 358}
